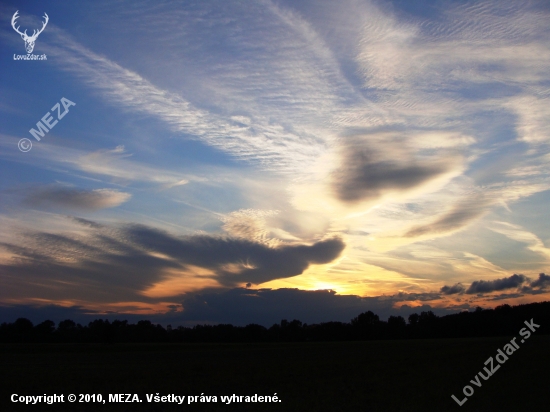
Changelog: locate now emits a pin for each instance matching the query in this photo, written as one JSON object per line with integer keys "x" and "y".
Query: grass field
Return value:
{"x": 411, "y": 375}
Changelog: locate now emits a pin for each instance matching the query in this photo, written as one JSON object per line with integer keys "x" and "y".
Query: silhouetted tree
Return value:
{"x": 291, "y": 331}
{"x": 503, "y": 320}
{"x": 413, "y": 319}
{"x": 396, "y": 327}
{"x": 44, "y": 331}
{"x": 68, "y": 331}
{"x": 102, "y": 331}
{"x": 367, "y": 325}
{"x": 427, "y": 324}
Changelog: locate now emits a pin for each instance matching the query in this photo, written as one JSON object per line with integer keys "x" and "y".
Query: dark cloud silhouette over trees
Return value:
{"x": 241, "y": 306}
{"x": 503, "y": 320}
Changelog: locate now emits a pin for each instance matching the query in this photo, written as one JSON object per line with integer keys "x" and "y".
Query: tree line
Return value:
{"x": 504, "y": 320}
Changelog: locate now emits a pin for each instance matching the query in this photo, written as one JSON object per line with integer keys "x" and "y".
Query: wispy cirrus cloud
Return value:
{"x": 262, "y": 133}
{"x": 517, "y": 233}
{"x": 115, "y": 166}
{"x": 456, "y": 218}
{"x": 72, "y": 198}
{"x": 423, "y": 63}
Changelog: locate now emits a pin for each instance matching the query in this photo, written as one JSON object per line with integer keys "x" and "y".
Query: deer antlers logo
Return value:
{"x": 29, "y": 40}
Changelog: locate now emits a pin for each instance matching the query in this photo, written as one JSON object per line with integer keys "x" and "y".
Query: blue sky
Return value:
{"x": 386, "y": 154}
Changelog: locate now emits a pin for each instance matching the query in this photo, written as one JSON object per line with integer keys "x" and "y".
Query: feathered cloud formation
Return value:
{"x": 457, "y": 217}
{"x": 256, "y": 263}
{"x": 134, "y": 261}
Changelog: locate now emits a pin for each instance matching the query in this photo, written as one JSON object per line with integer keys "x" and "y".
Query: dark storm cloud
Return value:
{"x": 365, "y": 174}
{"x": 542, "y": 282}
{"x": 116, "y": 264}
{"x": 459, "y": 216}
{"x": 486, "y": 286}
{"x": 259, "y": 263}
{"x": 536, "y": 287}
{"x": 52, "y": 197}
{"x": 457, "y": 288}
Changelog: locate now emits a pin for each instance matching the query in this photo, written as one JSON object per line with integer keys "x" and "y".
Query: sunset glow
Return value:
{"x": 394, "y": 154}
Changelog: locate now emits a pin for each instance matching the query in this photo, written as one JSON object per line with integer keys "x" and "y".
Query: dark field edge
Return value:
{"x": 379, "y": 375}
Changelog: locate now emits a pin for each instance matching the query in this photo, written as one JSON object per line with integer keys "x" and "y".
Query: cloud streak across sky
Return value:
{"x": 74, "y": 198}
{"x": 370, "y": 148}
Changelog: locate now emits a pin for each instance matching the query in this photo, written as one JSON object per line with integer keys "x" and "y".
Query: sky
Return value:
{"x": 244, "y": 162}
